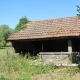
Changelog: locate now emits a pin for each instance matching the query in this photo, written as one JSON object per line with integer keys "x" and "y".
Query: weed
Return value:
{"x": 17, "y": 67}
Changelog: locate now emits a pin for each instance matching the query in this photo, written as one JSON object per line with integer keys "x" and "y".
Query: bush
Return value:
{"x": 8, "y": 44}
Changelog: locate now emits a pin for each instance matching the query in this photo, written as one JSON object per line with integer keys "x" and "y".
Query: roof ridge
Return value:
{"x": 52, "y": 19}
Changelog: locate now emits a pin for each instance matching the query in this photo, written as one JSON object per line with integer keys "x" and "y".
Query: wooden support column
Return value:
{"x": 69, "y": 46}
{"x": 42, "y": 46}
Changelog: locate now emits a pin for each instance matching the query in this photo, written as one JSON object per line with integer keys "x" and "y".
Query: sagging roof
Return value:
{"x": 61, "y": 27}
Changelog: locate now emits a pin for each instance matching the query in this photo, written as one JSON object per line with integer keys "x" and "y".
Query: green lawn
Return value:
{"x": 5, "y": 50}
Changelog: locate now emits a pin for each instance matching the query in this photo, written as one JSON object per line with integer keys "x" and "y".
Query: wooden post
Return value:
{"x": 42, "y": 46}
{"x": 69, "y": 46}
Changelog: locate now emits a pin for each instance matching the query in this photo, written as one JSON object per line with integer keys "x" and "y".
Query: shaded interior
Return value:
{"x": 59, "y": 45}
{"x": 76, "y": 45}
{"x": 41, "y": 46}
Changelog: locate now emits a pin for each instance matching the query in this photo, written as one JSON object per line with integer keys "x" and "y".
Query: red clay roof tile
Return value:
{"x": 61, "y": 27}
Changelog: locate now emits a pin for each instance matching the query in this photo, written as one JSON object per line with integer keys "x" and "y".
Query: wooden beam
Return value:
{"x": 69, "y": 46}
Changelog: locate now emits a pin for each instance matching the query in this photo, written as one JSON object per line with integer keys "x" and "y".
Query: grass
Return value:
{"x": 15, "y": 67}
{"x": 11, "y": 64}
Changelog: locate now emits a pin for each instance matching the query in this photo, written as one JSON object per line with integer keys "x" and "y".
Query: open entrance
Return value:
{"x": 76, "y": 45}
{"x": 55, "y": 45}
{"x": 59, "y": 45}
{"x": 52, "y": 45}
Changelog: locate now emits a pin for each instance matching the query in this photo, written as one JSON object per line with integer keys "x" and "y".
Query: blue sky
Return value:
{"x": 12, "y": 10}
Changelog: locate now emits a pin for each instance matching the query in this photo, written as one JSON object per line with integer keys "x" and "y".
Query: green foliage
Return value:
{"x": 5, "y": 31}
{"x": 15, "y": 67}
{"x": 3, "y": 78}
{"x": 23, "y": 69}
{"x": 74, "y": 58}
{"x": 78, "y": 9}
{"x": 21, "y": 25}
{"x": 43, "y": 68}
{"x": 2, "y": 41}
{"x": 25, "y": 76}
{"x": 8, "y": 44}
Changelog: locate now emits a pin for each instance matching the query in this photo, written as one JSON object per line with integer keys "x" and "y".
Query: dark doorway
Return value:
{"x": 55, "y": 45}
{"x": 76, "y": 45}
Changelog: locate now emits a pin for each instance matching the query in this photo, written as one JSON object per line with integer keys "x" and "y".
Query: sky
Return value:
{"x": 12, "y": 10}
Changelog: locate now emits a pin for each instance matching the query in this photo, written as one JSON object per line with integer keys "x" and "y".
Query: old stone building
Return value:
{"x": 53, "y": 39}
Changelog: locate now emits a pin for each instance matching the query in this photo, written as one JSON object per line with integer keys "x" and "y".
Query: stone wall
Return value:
{"x": 55, "y": 57}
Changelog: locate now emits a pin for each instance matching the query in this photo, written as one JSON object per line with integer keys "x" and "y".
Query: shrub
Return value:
{"x": 8, "y": 44}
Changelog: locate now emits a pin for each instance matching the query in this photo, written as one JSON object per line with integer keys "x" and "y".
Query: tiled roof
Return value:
{"x": 62, "y": 27}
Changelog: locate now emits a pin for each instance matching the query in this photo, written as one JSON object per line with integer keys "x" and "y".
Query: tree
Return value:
{"x": 21, "y": 24}
{"x": 2, "y": 41}
{"x": 5, "y": 31}
{"x": 78, "y": 9}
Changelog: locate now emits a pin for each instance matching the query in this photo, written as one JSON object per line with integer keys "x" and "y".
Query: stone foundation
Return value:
{"x": 55, "y": 57}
